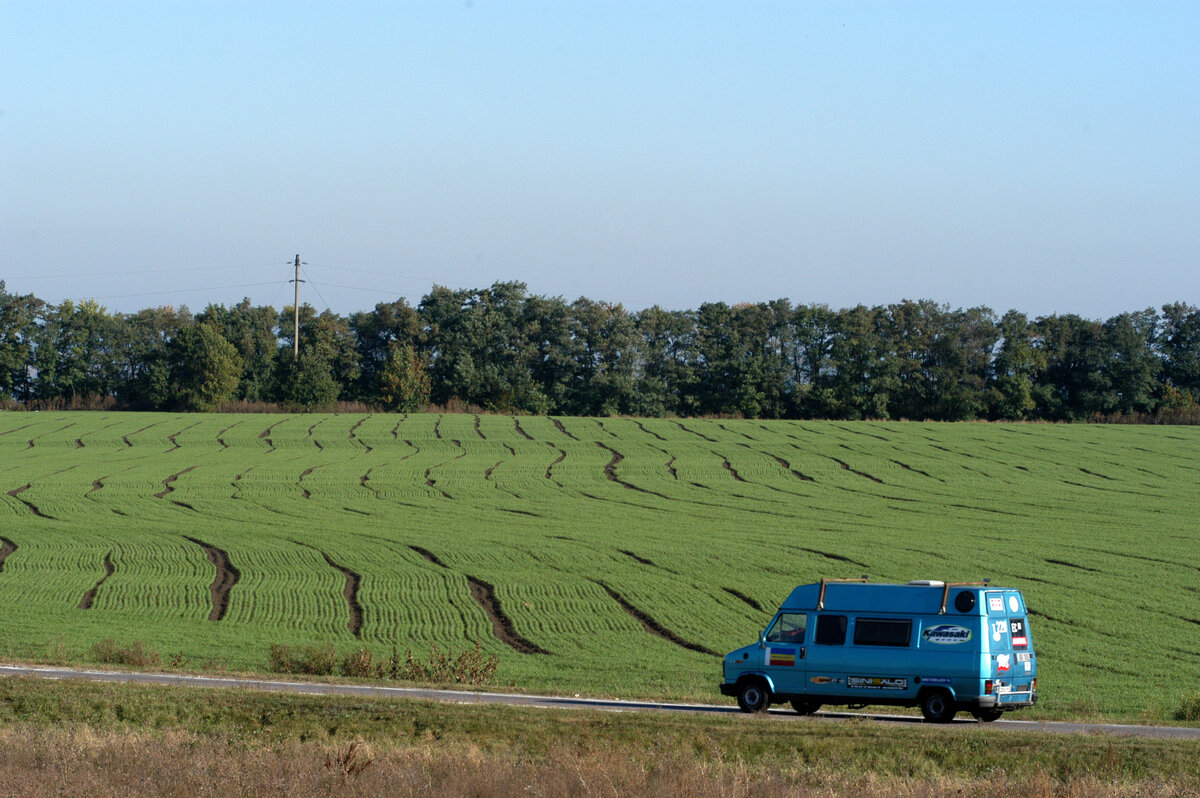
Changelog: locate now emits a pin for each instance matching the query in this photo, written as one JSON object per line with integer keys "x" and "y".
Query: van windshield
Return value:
{"x": 788, "y": 628}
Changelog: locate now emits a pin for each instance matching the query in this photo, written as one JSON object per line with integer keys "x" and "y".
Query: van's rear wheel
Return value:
{"x": 753, "y": 696}
{"x": 805, "y": 707}
{"x": 938, "y": 707}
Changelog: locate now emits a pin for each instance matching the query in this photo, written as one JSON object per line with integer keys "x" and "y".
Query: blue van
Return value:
{"x": 943, "y": 647}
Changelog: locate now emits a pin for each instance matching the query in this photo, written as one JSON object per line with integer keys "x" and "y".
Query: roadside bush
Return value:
{"x": 110, "y": 652}
{"x": 1189, "y": 707}
{"x": 313, "y": 660}
{"x": 470, "y": 666}
{"x": 357, "y": 663}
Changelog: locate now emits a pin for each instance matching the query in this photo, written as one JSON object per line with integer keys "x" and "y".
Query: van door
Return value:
{"x": 827, "y": 655}
{"x": 784, "y": 652}
{"x": 1008, "y": 639}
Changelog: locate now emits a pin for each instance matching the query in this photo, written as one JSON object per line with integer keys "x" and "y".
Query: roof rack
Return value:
{"x": 948, "y": 585}
{"x": 824, "y": 582}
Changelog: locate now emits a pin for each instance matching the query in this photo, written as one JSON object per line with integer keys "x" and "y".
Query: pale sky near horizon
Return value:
{"x": 1038, "y": 156}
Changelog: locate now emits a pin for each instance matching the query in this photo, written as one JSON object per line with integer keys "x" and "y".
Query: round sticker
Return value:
{"x": 1012, "y": 603}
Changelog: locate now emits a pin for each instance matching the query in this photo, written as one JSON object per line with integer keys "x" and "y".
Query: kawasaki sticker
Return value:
{"x": 946, "y": 634}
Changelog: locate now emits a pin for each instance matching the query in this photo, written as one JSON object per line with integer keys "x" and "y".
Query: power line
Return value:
{"x": 185, "y": 290}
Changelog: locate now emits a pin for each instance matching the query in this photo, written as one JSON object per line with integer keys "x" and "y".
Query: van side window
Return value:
{"x": 831, "y": 630}
{"x": 788, "y": 628}
{"x": 881, "y": 632}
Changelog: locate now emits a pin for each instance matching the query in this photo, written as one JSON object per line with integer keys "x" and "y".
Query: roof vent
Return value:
{"x": 928, "y": 583}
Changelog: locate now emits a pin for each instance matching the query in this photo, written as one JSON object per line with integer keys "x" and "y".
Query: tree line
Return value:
{"x": 502, "y": 349}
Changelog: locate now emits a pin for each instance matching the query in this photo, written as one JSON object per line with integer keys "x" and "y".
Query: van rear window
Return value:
{"x": 880, "y": 632}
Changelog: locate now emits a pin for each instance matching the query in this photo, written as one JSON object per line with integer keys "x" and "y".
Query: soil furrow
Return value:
{"x": 33, "y": 508}
{"x": 654, "y": 627}
{"x": 354, "y": 438}
{"x": 563, "y": 429}
{"x": 135, "y": 432}
{"x": 304, "y": 492}
{"x": 221, "y": 440}
{"x": 788, "y": 466}
{"x": 846, "y": 467}
{"x": 350, "y": 592}
{"x": 478, "y": 431}
{"x": 227, "y": 577}
{"x": 642, "y": 427}
{"x": 485, "y": 595}
{"x": 610, "y": 471}
{"x": 7, "y": 547}
{"x": 266, "y": 434}
{"x": 524, "y": 434}
{"x": 835, "y": 557}
{"x": 86, "y": 602}
{"x": 685, "y": 429}
{"x": 729, "y": 467}
{"x": 743, "y": 597}
{"x": 167, "y": 486}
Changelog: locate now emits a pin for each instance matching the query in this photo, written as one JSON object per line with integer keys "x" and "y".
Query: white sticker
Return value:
{"x": 1002, "y": 662}
{"x": 1012, "y": 604}
{"x": 998, "y": 630}
{"x": 995, "y": 604}
{"x": 1028, "y": 665}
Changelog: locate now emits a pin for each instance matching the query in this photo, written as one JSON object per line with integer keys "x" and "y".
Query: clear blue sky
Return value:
{"x": 1041, "y": 156}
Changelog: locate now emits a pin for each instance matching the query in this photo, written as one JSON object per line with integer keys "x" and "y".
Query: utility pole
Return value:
{"x": 296, "y": 310}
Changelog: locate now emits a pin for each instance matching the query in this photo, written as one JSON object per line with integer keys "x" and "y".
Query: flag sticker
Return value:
{"x": 785, "y": 657}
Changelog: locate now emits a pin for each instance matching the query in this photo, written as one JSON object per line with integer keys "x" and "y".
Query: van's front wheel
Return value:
{"x": 753, "y": 696}
{"x": 938, "y": 707}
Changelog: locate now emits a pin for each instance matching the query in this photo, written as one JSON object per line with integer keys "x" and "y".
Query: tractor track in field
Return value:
{"x": 221, "y": 440}
{"x": 349, "y": 592}
{"x": 89, "y": 597}
{"x": 798, "y": 474}
{"x": 744, "y": 598}
{"x": 959, "y": 726}
{"x": 559, "y": 426}
{"x": 485, "y": 596}
{"x": 128, "y": 442}
{"x": 168, "y": 487}
{"x": 517, "y": 426}
{"x": 610, "y": 473}
{"x": 227, "y": 577}
{"x": 174, "y": 444}
{"x": 652, "y": 626}
{"x": 33, "y": 508}
{"x": 356, "y": 439}
{"x": 265, "y": 435}
{"x": 7, "y": 547}
{"x": 304, "y": 492}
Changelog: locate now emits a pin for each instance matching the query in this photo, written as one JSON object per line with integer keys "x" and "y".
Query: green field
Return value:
{"x": 618, "y": 553}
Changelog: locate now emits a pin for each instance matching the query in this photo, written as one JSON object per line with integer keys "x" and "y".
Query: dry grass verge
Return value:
{"x": 39, "y": 762}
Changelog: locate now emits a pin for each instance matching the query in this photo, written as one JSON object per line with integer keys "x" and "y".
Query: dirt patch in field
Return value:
{"x": 654, "y": 627}
{"x": 167, "y": 486}
{"x": 354, "y": 438}
{"x": 561, "y": 456}
{"x": 33, "y": 508}
{"x": 485, "y": 595}
{"x": 835, "y": 557}
{"x": 846, "y": 467}
{"x": 610, "y": 472}
{"x": 559, "y": 425}
{"x": 350, "y": 592}
{"x": 502, "y": 627}
{"x": 396, "y": 429}
{"x": 221, "y": 440}
{"x": 743, "y": 597}
{"x": 128, "y": 442}
{"x": 478, "y": 431}
{"x": 86, "y": 602}
{"x": 7, "y": 547}
{"x": 642, "y": 560}
{"x": 520, "y": 429}
{"x": 788, "y": 466}
{"x": 642, "y": 427}
{"x": 437, "y": 428}
{"x": 227, "y": 577}
{"x": 728, "y": 466}
{"x": 700, "y": 434}
{"x": 1073, "y": 565}
{"x": 907, "y": 467}
{"x": 266, "y": 434}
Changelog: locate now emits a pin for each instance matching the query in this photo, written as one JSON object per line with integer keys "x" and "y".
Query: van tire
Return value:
{"x": 804, "y": 706}
{"x": 753, "y": 696}
{"x": 938, "y": 707}
{"x": 987, "y": 715}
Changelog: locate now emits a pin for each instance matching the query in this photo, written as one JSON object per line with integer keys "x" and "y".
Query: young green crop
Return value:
{"x": 623, "y": 549}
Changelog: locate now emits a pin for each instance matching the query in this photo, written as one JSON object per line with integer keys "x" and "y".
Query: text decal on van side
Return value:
{"x": 946, "y": 634}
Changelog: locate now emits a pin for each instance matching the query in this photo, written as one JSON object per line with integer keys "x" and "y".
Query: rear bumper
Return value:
{"x": 1026, "y": 698}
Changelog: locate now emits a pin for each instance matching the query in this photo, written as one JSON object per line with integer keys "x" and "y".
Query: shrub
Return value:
{"x": 1189, "y": 707}
{"x": 357, "y": 662}
{"x": 136, "y": 654}
{"x": 313, "y": 660}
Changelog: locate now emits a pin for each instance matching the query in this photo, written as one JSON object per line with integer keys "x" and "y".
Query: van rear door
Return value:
{"x": 1010, "y": 644}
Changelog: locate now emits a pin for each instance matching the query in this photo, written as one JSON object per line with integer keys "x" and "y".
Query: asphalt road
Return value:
{"x": 559, "y": 702}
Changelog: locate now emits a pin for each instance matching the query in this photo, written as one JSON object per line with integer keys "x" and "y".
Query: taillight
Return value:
{"x": 1034, "y": 685}
{"x": 987, "y": 687}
